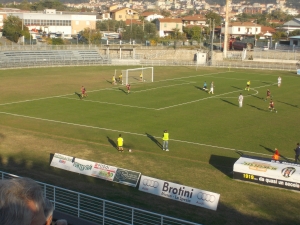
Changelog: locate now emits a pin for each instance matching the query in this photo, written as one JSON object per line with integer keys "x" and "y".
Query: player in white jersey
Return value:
{"x": 211, "y": 88}
{"x": 279, "y": 81}
{"x": 240, "y": 99}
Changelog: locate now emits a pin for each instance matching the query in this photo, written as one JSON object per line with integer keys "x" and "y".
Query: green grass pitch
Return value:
{"x": 41, "y": 114}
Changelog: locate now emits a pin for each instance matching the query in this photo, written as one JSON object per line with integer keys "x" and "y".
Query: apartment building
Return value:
{"x": 52, "y": 21}
{"x": 123, "y": 14}
{"x": 194, "y": 20}
{"x": 166, "y": 26}
{"x": 236, "y": 29}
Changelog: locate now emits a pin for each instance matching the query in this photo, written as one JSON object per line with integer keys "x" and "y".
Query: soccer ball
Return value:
{"x": 144, "y": 80}
{"x": 129, "y": 150}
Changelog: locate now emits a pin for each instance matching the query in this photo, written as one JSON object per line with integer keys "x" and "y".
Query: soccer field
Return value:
{"x": 40, "y": 114}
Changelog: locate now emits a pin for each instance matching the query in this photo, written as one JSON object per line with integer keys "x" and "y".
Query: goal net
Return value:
{"x": 144, "y": 74}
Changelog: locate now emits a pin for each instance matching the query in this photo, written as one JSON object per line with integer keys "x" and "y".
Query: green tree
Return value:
{"x": 92, "y": 36}
{"x": 150, "y": 30}
{"x": 196, "y": 33}
{"x": 24, "y": 5}
{"x": 48, "y": 4}
{"x": 109, "y": 25}
{"x": 165, "y": 13}
{"x": 243, "y": 17}
{"x": 57, "y": 41}
{"x": 295, "y": 32}
{"x": 177, "y": 35}
{"x": 211, "y": 16}
{"x": 12, "y": 28}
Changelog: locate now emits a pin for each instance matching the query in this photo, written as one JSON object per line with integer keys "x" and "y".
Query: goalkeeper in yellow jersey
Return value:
{"x": 141, "y": 77}
{"x": 120, "y": 78}
{"x": 248, "y": 86}
{"x": 113, "y": 79}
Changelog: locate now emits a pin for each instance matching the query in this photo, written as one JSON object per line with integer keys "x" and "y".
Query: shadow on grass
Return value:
{"x": 112, "y": 143}
{"x": 154, "y": 140}
{"x": 231, "y": 103}
{"x": 108, "y": 81}
{"x": 273, "y": 151}
{"x": 237, "y": 88}
{"x": 264, "y": 82}
{"x": 296, "y": 106}
{"x": 260, "y": 98}
{"x": 121, "y": 89}
{"x": 223, "y": 164}
{"x": 253, "y": 106}
{"x": 201, "y": 89}
{"x": 79, "y": 95}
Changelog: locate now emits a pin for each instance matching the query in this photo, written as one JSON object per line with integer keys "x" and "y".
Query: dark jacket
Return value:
{"x": 297, "y": 150}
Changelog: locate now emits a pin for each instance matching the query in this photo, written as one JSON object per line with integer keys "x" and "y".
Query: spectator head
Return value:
{"x": 48, "y": 211}
{"x": 61, "y": 222}
{"x": 21, "y": 202}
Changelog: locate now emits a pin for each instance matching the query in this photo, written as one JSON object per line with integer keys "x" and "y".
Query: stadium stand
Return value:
{"x": 24, "y": 58}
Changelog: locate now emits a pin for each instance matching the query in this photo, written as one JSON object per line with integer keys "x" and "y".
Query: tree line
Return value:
{"x": 144, "y": 30}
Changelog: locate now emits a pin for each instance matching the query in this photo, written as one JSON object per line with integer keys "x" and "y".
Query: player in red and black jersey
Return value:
{"x": 271, "y": 106}
{"x": 83, "y": 92}
{"x": 128, "y": 88}
{"x": 268, "y": 95}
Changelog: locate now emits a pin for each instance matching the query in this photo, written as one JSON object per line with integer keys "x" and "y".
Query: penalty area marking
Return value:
{"x": 201, "y": 99}
{"x": 126, "y": 132}
{"x": 149, "y": 89}
{"x": 109, "y": 103}
{"x": 245, "y": 95}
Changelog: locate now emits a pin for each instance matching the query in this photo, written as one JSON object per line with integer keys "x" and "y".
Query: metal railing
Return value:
{"x": 98, "y": 210}
{"x": 255, "y": 65}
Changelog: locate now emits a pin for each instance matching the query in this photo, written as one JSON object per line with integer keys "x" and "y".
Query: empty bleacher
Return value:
{"x": 53, "y": 57}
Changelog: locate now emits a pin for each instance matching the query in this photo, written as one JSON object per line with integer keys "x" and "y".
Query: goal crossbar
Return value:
{"x": 143, "y": 74}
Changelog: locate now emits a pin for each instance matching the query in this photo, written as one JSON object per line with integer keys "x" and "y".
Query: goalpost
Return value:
{"x": 144, "y": 74}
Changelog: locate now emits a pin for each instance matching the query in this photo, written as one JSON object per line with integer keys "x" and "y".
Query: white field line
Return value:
{"x": 233, "y": 78}
{"x": 109, "y": 103}
{"x": 246, "y": 95}
{"x": 164, "y": 87}
{"x": 213, "y": 96}
{"x": 200, "y": 75}
{"x": 104, "y": 89}
{"x": 36, "y": 99}
{"x": 131, "y": 133}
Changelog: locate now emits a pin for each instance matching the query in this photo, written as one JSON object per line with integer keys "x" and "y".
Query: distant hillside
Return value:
{"x": 291, "y": 3}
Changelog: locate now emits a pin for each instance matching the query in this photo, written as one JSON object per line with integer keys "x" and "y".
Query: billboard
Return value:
{"x": 181, "y": 193}
{"x": 268, "y": 172}
{"x": 95, "y": 169}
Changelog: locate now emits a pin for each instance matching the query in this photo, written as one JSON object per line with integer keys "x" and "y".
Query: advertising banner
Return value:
{"x": 127, "y": 177}
{"x": 95, "y": 169}
{"x": 179, "y": 192}
{"x": 267, "y": 172}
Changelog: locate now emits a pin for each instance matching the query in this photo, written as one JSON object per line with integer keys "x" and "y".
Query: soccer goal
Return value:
{"x": 144, "y": 74}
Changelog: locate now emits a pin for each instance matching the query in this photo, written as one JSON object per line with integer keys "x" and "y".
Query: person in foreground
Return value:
{"x": 21, "y": 202}
{"x": 48, "y": 211}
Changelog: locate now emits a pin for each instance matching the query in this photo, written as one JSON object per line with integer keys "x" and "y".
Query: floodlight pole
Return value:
{"x": 226, "y": 29}
{"x": 212, "y": 41}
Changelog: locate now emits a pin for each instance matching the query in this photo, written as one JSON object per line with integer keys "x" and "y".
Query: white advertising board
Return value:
{"x": 268, "y": 172}
{"x": 94, "y": 169}
{"x": 85, "y": 167}
{"x": 179, "y": 192}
